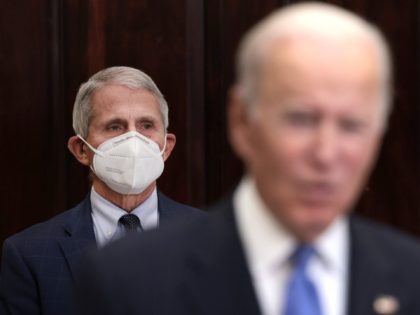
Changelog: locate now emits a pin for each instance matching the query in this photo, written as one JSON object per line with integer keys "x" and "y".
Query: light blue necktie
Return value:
{"x": 301, "y": 296}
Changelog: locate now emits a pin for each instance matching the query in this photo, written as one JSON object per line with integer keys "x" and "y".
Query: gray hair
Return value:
{"x": 314, "y": 18}
{"x": 125, "y": 76}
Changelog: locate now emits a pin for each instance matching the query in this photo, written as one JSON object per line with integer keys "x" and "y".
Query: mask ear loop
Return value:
{"x": 90, "y": 147}
{"x": 164, "y": 146}
{"x": 93, "y": 150}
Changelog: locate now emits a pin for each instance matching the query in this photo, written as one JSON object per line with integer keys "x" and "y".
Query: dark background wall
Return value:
{"x": 49, "y": 47}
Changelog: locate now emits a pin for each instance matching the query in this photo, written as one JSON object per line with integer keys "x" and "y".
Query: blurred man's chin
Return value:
{"x": 312, "y": 220}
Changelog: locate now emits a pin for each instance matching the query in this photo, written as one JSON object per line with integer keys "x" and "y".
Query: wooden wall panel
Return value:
{"x": 226, "y": 22}
{"x": 195, "y": 169}
{"x": 24, "y": 112}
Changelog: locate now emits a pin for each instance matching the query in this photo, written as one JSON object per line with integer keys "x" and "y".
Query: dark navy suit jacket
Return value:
{"x": 201, "y": 269}
{"x": 39, "y": 264}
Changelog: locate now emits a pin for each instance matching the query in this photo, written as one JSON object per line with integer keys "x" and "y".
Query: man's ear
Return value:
{"x": 238, "y": 122}
{"x": 170, "y": 144}
{"x": 79, "y": 150}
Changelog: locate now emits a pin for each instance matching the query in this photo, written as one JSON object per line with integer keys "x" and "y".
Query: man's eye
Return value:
{"x": 114, "y": 127}
{"x": 146, "y": 125}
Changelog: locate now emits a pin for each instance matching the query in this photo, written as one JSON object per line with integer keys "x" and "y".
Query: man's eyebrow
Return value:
{"x": 147, "y": 117}
{"x": 115, "y": 120}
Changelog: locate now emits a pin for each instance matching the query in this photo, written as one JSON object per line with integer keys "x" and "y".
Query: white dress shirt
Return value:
{"x": 105, "y": 216}
{"x": 268, "y": 247}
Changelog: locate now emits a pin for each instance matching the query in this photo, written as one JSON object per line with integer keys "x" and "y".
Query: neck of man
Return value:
{"x": 125, "y": 202}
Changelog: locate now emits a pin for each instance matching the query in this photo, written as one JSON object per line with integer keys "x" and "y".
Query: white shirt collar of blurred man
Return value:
{"x": 268, "y": 246}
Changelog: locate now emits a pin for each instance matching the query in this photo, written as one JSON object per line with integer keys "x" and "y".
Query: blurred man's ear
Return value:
{"x": 238, "y": 122}
{"x": 79, "y": 150}
{"x": 170, "y": 144}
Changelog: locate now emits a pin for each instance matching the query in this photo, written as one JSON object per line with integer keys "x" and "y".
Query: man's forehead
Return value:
{"x": 115, "y": 96}
{"x": 303, "y": 71}
{"x": 114, "y": 91}
{"x": 321, "y": 60}
{"x": 296, "y": 46}
{"x": 115, "y": 103}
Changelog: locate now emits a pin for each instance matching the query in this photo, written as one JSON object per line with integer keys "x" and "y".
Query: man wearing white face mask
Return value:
{"x": 120, "y": 119}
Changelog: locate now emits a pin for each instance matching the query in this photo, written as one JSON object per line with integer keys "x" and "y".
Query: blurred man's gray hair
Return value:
{"x": 124, "y": 76}
{"x": 311, "y": 18}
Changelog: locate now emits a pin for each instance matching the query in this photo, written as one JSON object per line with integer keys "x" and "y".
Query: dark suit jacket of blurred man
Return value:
{"x": 201, "y": 269}
{"x": 39, "y": 264}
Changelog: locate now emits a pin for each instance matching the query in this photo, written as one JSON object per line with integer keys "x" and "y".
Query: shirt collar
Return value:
{"x": 333, "y": 244}
{"x": 106, "y": 214}
{"x": 267, "y": 242}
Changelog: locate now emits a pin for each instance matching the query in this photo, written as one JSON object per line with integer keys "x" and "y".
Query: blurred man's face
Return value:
{"x": 314, "y": 134}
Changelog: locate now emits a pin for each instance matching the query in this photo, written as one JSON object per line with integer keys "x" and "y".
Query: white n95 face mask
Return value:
{"x": 128, "y": 163}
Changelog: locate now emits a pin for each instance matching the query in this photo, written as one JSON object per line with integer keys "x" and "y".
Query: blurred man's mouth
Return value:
{"x": 318, "y": 192}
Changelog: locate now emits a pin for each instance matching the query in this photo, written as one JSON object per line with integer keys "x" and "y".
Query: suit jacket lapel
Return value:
{"x": 218, "y": 270}
{"x": 172, "y": 211}
{"x": 164, "y": 208}
{"x": 80, "y": 235}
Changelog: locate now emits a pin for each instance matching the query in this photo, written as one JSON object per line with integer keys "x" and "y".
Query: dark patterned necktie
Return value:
{"x": 301, "y": 295}
{"x": 131, "y": 223}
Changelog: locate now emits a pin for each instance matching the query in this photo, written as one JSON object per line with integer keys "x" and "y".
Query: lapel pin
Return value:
{"x": 386, "y": 305}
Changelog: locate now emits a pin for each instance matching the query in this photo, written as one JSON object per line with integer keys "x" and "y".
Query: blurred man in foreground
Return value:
{"x": 306, "y": 116}
{"x": 120, "y": 119}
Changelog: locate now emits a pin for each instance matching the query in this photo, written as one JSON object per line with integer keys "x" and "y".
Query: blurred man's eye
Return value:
{"x": 351, "y": 126}
{"x": 301, "y": 119}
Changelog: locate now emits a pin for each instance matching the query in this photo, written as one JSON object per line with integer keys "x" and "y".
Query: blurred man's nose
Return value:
{"x": 326, "y": 146}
